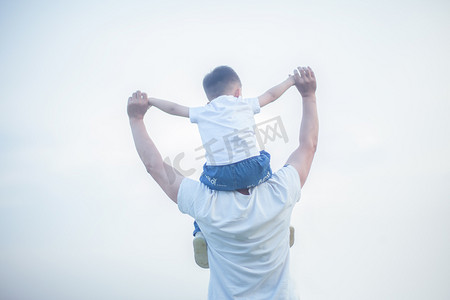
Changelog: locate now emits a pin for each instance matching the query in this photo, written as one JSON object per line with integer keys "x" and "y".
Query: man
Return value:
{"x": 247, "y": 231}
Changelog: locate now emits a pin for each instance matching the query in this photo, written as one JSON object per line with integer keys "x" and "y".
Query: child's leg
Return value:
{"x": 291, "y": 236}
{"x": 200, "y": 248}
{"x": 196, "y": 229}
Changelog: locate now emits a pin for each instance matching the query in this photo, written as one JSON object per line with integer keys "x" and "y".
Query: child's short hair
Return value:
{"x": 218, "y": 82}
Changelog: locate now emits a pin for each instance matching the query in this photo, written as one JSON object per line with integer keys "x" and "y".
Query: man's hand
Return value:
{"x": 138, "y": 105}
{"x": 305, "y": 81}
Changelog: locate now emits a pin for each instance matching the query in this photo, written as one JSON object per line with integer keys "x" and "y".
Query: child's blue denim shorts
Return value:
{"x": 241, "y": 175}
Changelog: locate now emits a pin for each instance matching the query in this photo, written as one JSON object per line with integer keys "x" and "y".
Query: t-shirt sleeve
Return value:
{"x": 188, "y": 192}
{"x": 193, "y": 114}
{"x": 289, "y": 175}
{"x": 254, "y": 104}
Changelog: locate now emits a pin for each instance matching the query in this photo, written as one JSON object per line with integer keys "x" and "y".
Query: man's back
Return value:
{"x": 247, "y": 235}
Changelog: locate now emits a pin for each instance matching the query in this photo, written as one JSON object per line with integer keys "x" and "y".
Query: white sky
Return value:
{"x": 81, "y": 219}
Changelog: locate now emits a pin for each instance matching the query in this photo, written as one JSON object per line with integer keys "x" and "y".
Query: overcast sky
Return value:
{"x": 81, "y": 219}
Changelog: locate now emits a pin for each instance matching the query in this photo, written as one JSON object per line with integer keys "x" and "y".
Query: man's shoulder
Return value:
{"x": 287, "y": 171}
{"x": 189, "y": 185}
{"x": 189, "y": 191}
{"x": 286, "y": 181}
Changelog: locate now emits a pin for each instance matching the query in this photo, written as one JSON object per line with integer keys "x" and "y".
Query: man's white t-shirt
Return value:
{"x": 247, "y": 235}
{"x": 226, "y": 126}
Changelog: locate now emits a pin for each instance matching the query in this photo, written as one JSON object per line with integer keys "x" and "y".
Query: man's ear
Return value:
{"x": 238, "y": 92}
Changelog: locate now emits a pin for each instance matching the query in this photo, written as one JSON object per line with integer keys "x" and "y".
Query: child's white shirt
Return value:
{"x": 227, "y": 129}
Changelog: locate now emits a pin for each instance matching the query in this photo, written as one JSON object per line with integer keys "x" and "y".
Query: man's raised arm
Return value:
{"x": 165, "y": 175}
{"x": 302, "y": 157}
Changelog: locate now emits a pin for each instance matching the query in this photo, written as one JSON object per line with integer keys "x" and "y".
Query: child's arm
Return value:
{"x": 170, "y": 107}
{"x": 275, "y": 92}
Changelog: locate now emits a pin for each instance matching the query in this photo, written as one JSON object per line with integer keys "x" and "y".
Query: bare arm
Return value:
{"x": 276, "y": 92}
{"x": 170, "y": 107}
{"x": 302, "y": 157}
{"x": 165, "y": 175}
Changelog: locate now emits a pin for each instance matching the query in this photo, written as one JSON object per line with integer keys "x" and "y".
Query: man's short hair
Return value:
{"x": 219, "y": 81}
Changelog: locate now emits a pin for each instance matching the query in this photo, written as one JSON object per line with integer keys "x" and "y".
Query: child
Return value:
{"x": 226, "y": 125}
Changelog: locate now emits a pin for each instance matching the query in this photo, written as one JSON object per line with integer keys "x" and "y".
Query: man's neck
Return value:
{"x": 243, "y": 191}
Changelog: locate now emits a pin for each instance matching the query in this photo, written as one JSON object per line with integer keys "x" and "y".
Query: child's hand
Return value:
{"x": 305, "y": 81}
{"x": 291, "y": 79}
{"x": 138, "y": 105}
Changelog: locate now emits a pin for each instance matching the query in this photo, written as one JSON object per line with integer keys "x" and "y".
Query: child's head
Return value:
{"x": 222, "y": 80}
